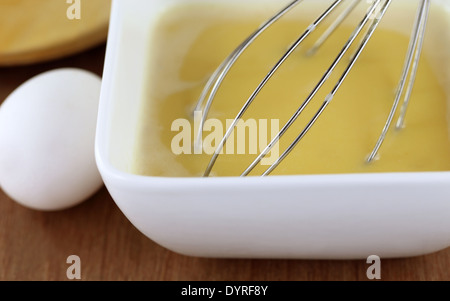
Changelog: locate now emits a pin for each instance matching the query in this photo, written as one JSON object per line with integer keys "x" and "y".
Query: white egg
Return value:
{"x": 47, "y": 134}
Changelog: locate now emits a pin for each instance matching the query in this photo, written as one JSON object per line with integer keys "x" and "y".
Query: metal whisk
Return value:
{"x": 371, "y": 20}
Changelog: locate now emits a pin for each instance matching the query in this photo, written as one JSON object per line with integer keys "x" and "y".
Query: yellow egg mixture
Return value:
{"x": 189, "y": 43}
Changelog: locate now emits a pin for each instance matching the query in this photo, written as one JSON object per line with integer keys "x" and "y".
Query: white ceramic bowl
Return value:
{"x": 324, "y": 216}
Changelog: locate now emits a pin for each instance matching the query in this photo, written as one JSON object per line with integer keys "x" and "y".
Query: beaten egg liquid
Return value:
{"x": 189, "y": 43}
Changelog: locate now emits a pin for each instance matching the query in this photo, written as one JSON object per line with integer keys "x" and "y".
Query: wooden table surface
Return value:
{"x": 35, "y": 245}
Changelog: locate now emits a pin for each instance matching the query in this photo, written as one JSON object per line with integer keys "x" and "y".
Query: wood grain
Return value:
{"x": 35, "y": 245}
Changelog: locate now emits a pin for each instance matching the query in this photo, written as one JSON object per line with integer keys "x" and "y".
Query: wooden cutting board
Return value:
{"x": 33, "y": 31}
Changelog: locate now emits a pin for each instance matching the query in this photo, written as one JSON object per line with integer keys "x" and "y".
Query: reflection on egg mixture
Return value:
{"x": 191, "y": 41}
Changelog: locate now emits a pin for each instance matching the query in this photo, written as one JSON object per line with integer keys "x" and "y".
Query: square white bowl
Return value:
{"x": 316, "y": 217}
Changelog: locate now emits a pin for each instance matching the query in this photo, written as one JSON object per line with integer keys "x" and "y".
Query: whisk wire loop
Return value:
{"x": 255, "y": 93}
{"x": 411, "y": 62}
{"x": 376, "y": 11}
